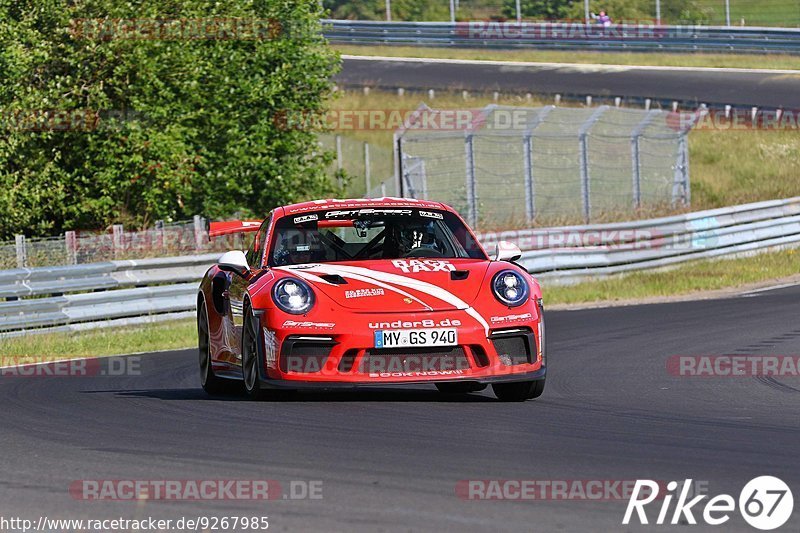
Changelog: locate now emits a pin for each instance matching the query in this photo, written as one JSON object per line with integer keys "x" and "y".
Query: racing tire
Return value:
{"x": 210, "y": 382}
{"x": 518, "y": 392}
{"x": 461, "y": 387}
{"x": 250, "y": 377}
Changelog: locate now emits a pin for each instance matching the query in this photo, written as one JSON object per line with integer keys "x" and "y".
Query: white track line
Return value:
{"x": 587, "y": 67}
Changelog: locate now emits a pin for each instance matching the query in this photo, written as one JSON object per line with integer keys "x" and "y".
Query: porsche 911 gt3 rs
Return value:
{"x": 351, "y": 293}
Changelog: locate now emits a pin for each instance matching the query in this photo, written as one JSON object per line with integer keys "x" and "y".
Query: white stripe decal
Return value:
{"x": 327, "y": 269}
{"x": 422, "y": 286}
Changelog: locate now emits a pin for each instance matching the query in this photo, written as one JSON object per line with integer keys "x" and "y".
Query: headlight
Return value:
{"x": 293, "y": 296}
{"x": 510, "y": 288}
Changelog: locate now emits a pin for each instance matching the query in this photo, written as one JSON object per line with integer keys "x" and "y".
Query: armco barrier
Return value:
{"x": 566, "y": 36}
{"x": 139, "y": 291}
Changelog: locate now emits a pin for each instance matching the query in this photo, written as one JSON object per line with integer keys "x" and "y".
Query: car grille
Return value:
{"x": 413, "y": 360}
{"x": 513, "y": 349}
{"x": 305, "y": 356}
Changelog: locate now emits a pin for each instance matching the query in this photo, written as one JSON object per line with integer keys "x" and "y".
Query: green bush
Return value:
{"x": 156, "y": 128}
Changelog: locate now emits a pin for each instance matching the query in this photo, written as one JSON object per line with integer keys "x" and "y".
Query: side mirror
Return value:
{"x": 507, "y": 251}
{"x": 234, "y": 261}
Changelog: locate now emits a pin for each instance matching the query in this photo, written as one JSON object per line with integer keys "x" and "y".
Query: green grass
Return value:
{"x": 785, "y": 13}
{"x": 771, "y": 61}
{"x": 691, "y": 278}
{"x": 100, "y": 342}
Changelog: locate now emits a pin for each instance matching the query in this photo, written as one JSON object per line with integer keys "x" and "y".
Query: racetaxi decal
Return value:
{"x": 431, "y": 214}
{"x": 362, "y": 293}
{"x": 305, "y": 218}
{"x": 312, "y": 325}
{"x": 423, "y": 265}
{"x": 510, "y": 318}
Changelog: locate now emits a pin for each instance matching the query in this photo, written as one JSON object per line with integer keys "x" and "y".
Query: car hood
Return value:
{"x": 403, "y": 285}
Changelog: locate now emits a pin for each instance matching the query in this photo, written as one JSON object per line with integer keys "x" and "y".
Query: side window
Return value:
{"x": 256, "y": 251}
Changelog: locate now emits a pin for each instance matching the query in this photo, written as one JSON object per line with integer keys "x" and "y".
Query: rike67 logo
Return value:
{"x": 765, "y": 503}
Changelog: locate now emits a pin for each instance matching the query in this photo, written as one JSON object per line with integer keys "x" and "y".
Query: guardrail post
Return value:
{"x": 200, "y": 235}
{"x": 469, "y": 156}
{"x": 118, "y": 238}
{"x": 22, "y": 251}
{"x": 71, "y": 242}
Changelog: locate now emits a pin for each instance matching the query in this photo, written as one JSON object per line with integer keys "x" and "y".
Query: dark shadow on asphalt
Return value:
{"x": 359, "y": 395}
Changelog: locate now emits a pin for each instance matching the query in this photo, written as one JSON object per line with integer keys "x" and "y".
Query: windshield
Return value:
{"x": 368, "y": 234}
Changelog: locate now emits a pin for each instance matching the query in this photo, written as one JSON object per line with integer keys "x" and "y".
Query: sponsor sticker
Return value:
{"x": 431, "y": 214}
{"x": 363, "y": 293}
{"x": 406, "y": 324}
{"x": 510, "y": 318}
{"x": 305, "y": 218}
{"x": 312, "y": 325}
{"x": 368, "y": 212}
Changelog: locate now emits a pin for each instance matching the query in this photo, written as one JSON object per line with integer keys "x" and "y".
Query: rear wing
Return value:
{"x": 216, "y": 229}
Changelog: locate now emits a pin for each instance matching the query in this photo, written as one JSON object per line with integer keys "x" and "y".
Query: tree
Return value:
{"x": 97, "y": 127}
{"x": 538, "y": 9}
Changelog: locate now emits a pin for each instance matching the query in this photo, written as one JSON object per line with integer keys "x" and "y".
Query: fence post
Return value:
{"x": 584, "y": 161}
{"x": 469, "y": 156}
{"x": 367, "y": 173}
{"x": 530, "y": 192}
{"x": 636, "y": 135}
{"x": 200, "y": 236}
{"x": 680, "y": 183}
{"x": 71, "y": 242}
{"x": 22, "y": 251}
{"x": 397, "y": 153}
{"x": 117, "y": 239}
{"x": 160, "y": 234}
{"x": 339, "y": 159}
{"x": 527, "y": 150}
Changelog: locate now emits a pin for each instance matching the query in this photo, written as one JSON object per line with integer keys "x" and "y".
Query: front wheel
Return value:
{"x": 252, "y": 381}
{"x": 518, "y": 392}
{"x": 210, "y": 382}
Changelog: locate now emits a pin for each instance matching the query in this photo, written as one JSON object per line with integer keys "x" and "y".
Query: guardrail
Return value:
{"x": 571, "y": 253}
{"x": 566, "y": 36}
{"x": 150, "y": 290}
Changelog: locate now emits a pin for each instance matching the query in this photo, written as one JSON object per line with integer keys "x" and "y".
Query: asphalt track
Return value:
{"x": 390, "y": 459}
{"x": 768, "y": 89}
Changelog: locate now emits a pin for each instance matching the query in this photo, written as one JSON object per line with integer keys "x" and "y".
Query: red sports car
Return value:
{"x": 369, "y": 292}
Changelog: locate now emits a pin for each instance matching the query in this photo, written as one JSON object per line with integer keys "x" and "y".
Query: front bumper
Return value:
{"x": 300, "y": 353}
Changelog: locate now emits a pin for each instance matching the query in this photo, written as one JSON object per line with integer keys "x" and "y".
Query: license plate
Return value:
{"x": 409, "y": 338}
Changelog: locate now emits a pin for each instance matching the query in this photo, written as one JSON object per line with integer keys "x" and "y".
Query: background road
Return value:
{"x": 776, "y": 89}
{"x": 390, "y": 459}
